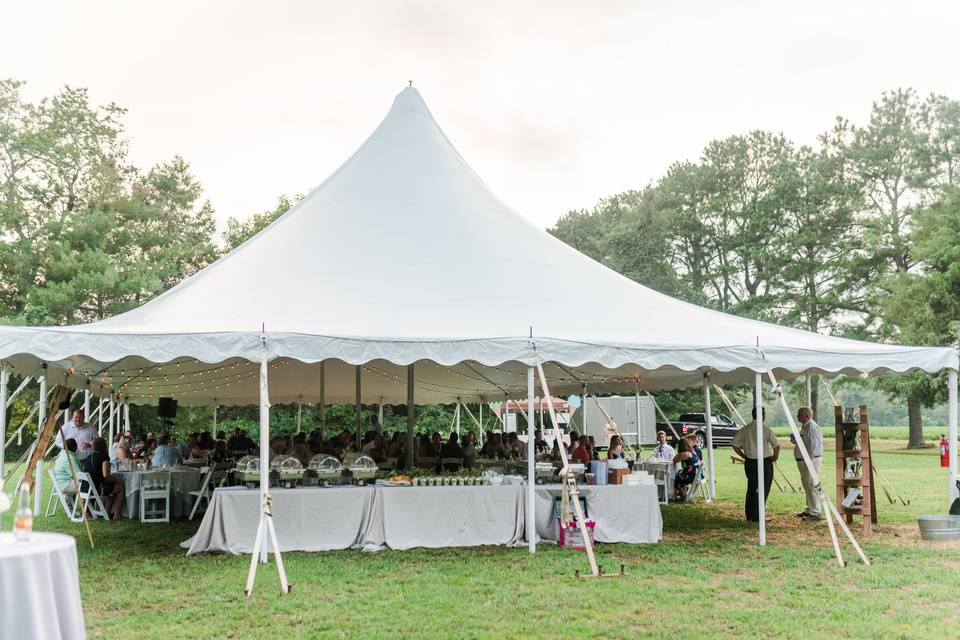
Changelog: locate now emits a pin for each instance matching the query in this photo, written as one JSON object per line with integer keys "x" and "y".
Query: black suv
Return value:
{"x": 724, "y": 429}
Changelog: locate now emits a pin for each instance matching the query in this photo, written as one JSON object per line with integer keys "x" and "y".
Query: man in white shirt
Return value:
{"x": 80, "y": 431}
{"x": 745, "y": 444}
{"x": 812, "y": 438}
{"x": 663, "y": 452}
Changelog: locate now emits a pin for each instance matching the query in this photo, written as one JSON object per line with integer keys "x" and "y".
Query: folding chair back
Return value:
{"x": 155, "y": 496}
{"x": 57, "y": 495}
{"x": 92, "y": 501}
{"x": 427, "y": 462}
{"x": 451, "y": 464}
{"x": 698, "y": 483}
{"x": 203, "y": 493}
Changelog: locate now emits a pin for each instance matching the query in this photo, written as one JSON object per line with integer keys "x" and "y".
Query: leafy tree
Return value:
{"x": 239, "y": 232}
{"x": 85, "y": 235}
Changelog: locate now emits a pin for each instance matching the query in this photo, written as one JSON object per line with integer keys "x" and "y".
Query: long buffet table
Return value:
{"x": 374, "y": 518}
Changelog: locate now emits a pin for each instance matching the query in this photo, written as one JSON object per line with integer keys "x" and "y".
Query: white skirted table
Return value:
{"x": 183, "y": 480}
{"x": 374, "y": 518}
{"x": 623, "y": 513}
{"x": 40, "y": 588}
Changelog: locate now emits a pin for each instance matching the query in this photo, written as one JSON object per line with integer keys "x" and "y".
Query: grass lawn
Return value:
{"x": 707, "y": 579}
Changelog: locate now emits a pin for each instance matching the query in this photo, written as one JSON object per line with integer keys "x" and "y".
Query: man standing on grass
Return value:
{"x": 745, "y": 444}
{"x": 813, "y": 440}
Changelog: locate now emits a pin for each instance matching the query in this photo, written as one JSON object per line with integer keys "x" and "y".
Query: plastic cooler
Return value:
{"x": 569, "y": 537}
{"x": 599, "y": 470}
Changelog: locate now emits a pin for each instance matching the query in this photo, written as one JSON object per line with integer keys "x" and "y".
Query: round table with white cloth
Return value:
{"x": 183, "y": 480}
{"x": 40, "y": 588}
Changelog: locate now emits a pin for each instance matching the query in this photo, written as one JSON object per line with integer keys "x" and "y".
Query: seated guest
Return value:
{"x": 395, "y": 444}
{"x": 98, "y": 466}
{"x": 425, "y": 447}
{"x": 300, "y": 450}
{"x": 187, "y": 445}
{"x": 220, "y": 453}
{"x": 278, "y": 447}
{"x": 469, "y": 449}
{"x": 165, "y": 454}
{"x": 138, "y": 448}
{"x": 201, "y": 447}
{"x": 452, "y": 449}
{"x": 579, "y": 451}
{"x": 114, "y": 445}
{"x": 689, "y": 468}
{"x": 663, "y": 452}
{"x": 234, "y": 441}
{"x": 592, "y": 448}
{"x": 122, "y": 451}
{"x": 61, "y": 467}
{"x": 615, "y": 450}
{"x": 221, "y": 437}
{"x": 436, "y": 441}
{"x": 540, "y": 445}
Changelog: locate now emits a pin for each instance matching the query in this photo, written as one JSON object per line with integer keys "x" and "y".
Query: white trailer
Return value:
{"x": 623, "y": 410}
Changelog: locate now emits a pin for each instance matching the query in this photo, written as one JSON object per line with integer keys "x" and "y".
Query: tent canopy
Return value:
{"x": 404, "y": 256}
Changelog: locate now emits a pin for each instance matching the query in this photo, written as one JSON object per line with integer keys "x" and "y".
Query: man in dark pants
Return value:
{"x": 745, "y": 444}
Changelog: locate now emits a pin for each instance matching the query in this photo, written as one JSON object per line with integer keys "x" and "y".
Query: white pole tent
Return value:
{"x": 409, "y": 193}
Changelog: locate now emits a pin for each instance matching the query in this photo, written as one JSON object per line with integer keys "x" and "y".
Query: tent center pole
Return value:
{"x": 708, "y": 417}
{"x": 356, "y": 411}
{"x": 530, "y": 527}
{"x": 411, "y": 417}
{"x": 758, "y": 400}
{"x": 952, "y": 425}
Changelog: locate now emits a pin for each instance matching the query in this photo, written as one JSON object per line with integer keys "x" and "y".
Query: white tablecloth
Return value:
{"x": 182, "y": 482}
{"x": 40, "y": 588}
{"x": 306, "y": 519}
{"x": 623, "y": 513}
{"x": 373, "y": 518}
{"x": 408, "y": 517}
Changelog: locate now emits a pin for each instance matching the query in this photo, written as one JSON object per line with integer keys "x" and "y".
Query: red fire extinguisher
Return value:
{"x": 944, "y": 451}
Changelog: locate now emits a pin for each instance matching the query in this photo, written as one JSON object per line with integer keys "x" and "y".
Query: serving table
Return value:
{"x": 378, "y": 517}
{"x": 40, "y": 588}
{"x": 623, "y": 513}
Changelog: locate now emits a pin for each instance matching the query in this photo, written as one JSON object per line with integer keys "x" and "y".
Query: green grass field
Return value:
{"x": 707, "y": 579}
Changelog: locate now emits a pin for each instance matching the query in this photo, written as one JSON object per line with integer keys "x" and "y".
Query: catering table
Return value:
{"x": 40, "y": 588}
{"x": 374, "y": 518}
{"x": 306, "y": 519}
{"x": 408, "y": 517}
{"x": 183, "y": 480}
{"x": 623, "y": 513}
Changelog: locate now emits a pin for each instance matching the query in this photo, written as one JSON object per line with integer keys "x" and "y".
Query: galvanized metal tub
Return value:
{"x": 939, "y": 527}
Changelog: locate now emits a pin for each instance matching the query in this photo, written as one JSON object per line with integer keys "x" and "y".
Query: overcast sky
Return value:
{"x": 555, "y": 104}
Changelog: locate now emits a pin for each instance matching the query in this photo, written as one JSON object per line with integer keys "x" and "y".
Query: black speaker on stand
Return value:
{"x": 167, "y": 411}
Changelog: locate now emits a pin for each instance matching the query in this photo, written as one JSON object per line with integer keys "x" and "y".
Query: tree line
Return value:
{"x": 855, "y": 235}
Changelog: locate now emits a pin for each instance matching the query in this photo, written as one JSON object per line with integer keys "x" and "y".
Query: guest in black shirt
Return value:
{"x": 108, "y": 486}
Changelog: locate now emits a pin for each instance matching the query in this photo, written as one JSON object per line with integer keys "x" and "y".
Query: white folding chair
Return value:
{"x": 155, "y": 496}
{"x": 91, "y": 497}
{"x": 427, "y": 462}
{"x": 698, "y": 483}
{"x": 451, "y": 464}
{"x": 203, "y": 493}
{"x": 57, "y": 495}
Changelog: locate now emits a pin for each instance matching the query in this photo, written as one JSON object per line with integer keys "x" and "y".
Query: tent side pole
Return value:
{"x": 356, "y": 410}
{"x": 100, "y": 417}
{"x": 380, "y": 416}
{"x": 41, "y": 421}
{"x": 457, "y": 417}
{"x": 86, "y": 402}
{"x": 323, "y": 406}
{"x": 952, "y": 419}
{"x": 4, "y": 381}
{"x": 531, "y": 527}
{"x": 708, "y": 417}
{"x": 411, "y": 417}
{"x": 758, "y": 402}
{"x": 583, "y": 418}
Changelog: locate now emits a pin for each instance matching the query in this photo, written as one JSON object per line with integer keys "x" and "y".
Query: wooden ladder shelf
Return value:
{"x": 854, "y": 452}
